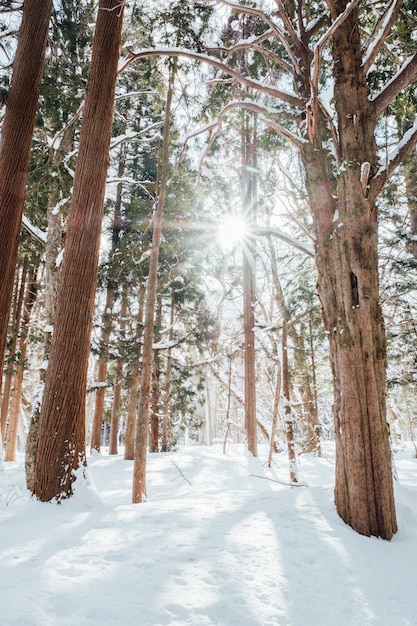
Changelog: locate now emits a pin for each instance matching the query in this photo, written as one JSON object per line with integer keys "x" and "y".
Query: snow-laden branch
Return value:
{"x": 394, "y": 158}
{"x": 405, "y": 76}
{"x": 33, "y": 230}
{"x": 223, "y": 67}
{"x": 380, "y": 32}
{"x": 280, "y": 234}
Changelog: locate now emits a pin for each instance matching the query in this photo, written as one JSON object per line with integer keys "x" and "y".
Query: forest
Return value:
{"x": 208, "y": 217}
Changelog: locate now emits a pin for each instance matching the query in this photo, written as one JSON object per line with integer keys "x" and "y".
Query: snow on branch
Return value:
{"x": 405, "y": 76}
{"x": 380, "y": 32}
{"x": 33, "y": 230}
{"x": 223, "y": 67}
{"x": 394, "y": 158}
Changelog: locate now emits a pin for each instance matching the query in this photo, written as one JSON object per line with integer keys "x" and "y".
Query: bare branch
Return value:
{"x": 280, "y": 234}
{"x": 403, "y": 79}
{"x": 197, "y": 56}
{"x": 380, "y": 32}
{"x": 284, "y": 39}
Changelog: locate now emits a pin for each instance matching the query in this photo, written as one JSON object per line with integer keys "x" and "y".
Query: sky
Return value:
{"x": 217, "y": 543}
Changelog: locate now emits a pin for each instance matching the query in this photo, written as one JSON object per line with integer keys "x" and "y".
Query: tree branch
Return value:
{"x": 395, "y": 158}
{"x": 403, "y": 79}
{"x": 286, "y": 41}
{"x": 197, "y": 56}
{"x": 380, "y": 32}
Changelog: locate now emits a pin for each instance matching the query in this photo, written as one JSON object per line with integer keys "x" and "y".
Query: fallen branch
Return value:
{"x": 280, "y": 481}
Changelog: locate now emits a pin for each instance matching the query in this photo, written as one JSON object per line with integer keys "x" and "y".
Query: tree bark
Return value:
{"x": 139, "y": 493}
{"x": 346, "y": 255}
{"x": 61, "y": 448}
{"x": 16, "y": 141}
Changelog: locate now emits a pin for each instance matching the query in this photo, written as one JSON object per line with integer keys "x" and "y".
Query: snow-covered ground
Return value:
{"x": 216, "y": 544}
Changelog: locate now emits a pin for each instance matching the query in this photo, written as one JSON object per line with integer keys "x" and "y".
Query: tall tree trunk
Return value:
{"x": 16, "y": 141}
{"x": 156, "y": 384}
{"x": 61, "y": 448}
{"x": 249, "y": 289}
{"x": 142, "y": 425}
{"x": 134, "y": 384}
{"x": 117, "y": 387}
{"x": 14, "y": 412}
{"x": 346, "y": 254}
{"x": 275, "y": 413}
{"x": 167, "y": 393}
{"x": 10, "y": 368}
{"x": 289, "y": 419}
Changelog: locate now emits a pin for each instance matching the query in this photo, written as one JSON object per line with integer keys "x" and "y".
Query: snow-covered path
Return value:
{"x": 216, "y": 544}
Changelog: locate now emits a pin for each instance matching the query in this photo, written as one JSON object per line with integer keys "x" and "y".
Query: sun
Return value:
{"x": 232, "y": 232}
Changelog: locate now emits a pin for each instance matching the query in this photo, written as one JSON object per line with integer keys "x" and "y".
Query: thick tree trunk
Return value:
{"x": 61, "y": 448}
{"x": 16, "y": 141}
{"x": 347, "y": 262}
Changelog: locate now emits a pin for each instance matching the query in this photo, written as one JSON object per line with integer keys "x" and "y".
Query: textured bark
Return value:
{"x": 346, "y": 255}
{"x": 61, "y": 448}
{"x": 16, "y": 141}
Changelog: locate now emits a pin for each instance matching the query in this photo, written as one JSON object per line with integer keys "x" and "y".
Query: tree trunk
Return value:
{"x": 11, "y": 357}
{"x": 142, "y": 424}
{"x": 117, "y": 387}
{"x": 16, "y": 141}
{"x": 289, "y": 420}
{"x": 167, "y": 395}
{"x": 346, "y": 255}
{"x": 61, "y": 448}
{"x": 249, "y": 290}
{"x": 14, "y": 412}
{"x": 134, "y": 385}
{"x": 156, "y": 384}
